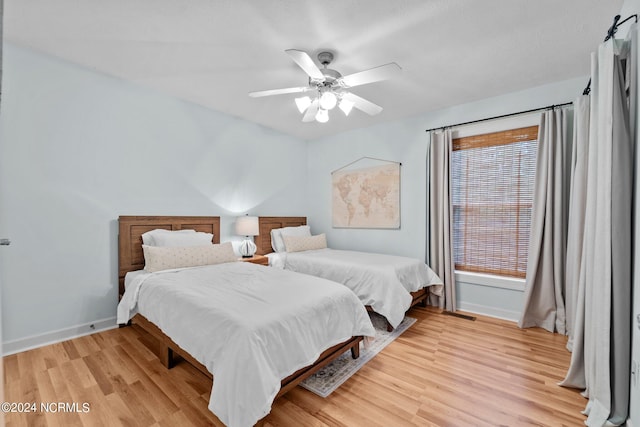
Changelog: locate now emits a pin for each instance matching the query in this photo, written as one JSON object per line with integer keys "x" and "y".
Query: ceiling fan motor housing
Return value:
{"x": 325, "y": 58}
{"x": 330, "y": 78}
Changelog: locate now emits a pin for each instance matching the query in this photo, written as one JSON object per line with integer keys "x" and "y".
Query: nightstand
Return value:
{"x": 256, "y": 259}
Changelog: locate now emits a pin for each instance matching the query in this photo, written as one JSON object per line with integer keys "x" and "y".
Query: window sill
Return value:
{"x": 490, "y": 280}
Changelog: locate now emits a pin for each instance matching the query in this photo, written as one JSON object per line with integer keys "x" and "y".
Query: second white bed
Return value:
{"x": 383, "y": 282}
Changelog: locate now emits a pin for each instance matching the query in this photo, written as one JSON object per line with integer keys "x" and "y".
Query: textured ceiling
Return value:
{"x": 213, "y": 52}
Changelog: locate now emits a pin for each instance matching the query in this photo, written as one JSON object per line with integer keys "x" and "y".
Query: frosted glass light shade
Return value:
{"x": 303, "y": 103}
{"x": 328, "y": 100}
{"x": 322, "y": 116}
{"x": 247, "y": 226}
{"x": 346, "y": 106}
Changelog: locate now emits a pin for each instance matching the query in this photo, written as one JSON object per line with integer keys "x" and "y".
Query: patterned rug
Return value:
{"x": 332, "y": 376}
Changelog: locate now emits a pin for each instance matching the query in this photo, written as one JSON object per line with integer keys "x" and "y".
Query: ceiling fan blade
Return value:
{"x": 306, "y": 63}
{"x": 279, "y": 91}
{"x": 362, "y": 104}
{"x": 310, "y": 114}
{"x": 372, "y": 75}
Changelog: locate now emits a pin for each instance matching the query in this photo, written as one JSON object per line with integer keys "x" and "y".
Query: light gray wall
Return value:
{"x": 490, "y": 300}
{"x": 401, "y": 142}
{"x": 406, "y": 141}
{"x": 78, "y": 149}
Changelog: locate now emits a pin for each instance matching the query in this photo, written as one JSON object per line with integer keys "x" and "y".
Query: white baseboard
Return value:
{"x": 35, "y": 341}
{"x": 499, "y": 313}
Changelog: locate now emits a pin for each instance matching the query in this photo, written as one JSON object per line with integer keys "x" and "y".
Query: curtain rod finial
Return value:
{"x": 613, "y": 29}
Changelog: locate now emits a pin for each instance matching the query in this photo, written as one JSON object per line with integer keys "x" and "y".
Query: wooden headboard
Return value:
{"x": 131, "y": 228}
{"x": 268, "y": 223}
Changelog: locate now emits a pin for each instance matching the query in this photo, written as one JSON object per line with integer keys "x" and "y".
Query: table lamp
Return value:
{"x": 247, "y": 226}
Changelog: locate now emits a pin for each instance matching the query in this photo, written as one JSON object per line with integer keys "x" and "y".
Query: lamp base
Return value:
{"x": 247, "y": 248}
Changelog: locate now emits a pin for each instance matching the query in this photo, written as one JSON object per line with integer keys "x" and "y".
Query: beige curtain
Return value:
{"x": 440, "y": 220}
{"x": 545, "y": 280}
{"x": 577, "y": 206}
{"x": 600, "y": 361}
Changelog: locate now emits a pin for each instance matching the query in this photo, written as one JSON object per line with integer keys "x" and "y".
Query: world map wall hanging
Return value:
{"x": 367, "y": 196}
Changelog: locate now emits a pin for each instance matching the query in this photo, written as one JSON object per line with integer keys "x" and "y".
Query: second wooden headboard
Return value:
{"x": 268, "y": 223}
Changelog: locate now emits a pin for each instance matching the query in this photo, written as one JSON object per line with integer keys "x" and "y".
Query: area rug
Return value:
{"x": 329, "y": 378}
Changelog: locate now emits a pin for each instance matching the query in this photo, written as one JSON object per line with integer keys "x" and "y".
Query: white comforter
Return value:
{"x": 250, "y": 325}
{"x": 381, "y": 281}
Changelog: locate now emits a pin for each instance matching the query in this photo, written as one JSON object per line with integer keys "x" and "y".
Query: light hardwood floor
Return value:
{"x": 443, "y": 371}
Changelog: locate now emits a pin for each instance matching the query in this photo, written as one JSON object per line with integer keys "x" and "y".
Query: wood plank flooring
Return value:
{"x": 443, "y": 371}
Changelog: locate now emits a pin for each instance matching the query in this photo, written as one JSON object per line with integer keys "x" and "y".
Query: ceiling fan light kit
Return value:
{"x": 328, "y": 100}
{"x": 303, "y": 103}
{"x": 330, "y": 87}
{"x": 346, "y": 106}
{"x": 322, "y": 116}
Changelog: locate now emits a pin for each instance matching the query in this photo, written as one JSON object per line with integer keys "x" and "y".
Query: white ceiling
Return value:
{"x": 213, "y": 52}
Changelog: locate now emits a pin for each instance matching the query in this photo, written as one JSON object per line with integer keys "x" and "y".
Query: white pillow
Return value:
{"x": 305, "y": 243}
{"x": 148, "y": 238}
{"x": 157, "y": 258}
{"x": 276, "y": 235}
{"x": 161, "y": 237}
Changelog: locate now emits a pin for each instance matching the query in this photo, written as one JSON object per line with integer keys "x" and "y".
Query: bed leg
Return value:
{"x": 423, "y": 302}
{"x": 355, "y": 351}
{"x": 166, "y": 356}
{"x": 389, "y": 327}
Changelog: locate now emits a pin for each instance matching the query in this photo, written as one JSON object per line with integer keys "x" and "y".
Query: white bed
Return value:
{"x": 383, "y": 282}
{"x": 249, "y": 325}
{"x": 252, "y": 327}
{"x": 388, "y": 284}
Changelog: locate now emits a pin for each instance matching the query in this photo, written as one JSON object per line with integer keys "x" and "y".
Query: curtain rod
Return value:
{"x": 611, "y": 32}
{"x": 550, "y": 107}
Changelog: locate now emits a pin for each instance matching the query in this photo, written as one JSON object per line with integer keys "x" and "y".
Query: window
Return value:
{"x": 492, "y": 191}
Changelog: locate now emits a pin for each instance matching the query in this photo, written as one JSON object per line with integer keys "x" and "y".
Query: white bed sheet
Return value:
{"x": 276, "y": 259}
{"x": 249, "y": 325}
{"x": 382, "y": 281}
{"x": 130, "y": 277}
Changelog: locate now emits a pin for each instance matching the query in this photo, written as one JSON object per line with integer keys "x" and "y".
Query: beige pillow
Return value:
{"x": 157, "y": 258}
{"x": 304, "y": 243}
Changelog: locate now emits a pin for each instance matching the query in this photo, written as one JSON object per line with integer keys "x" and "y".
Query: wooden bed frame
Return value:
{"x": 131, "y": 258}
{"x": 131, "y": 229}
{"x": 268, "y": 223}
{"x": 263, "y": 243}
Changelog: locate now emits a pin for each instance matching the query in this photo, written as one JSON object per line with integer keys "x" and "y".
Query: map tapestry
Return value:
{"x": 367, "y": 197}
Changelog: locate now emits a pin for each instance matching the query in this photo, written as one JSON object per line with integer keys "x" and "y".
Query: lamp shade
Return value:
{"x": 247, "y": 226}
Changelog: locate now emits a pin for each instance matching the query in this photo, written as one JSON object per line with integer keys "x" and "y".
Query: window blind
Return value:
{"x": 492, "y": 193}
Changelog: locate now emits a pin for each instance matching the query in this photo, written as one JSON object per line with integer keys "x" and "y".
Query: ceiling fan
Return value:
{"x": 328, "y": 88}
